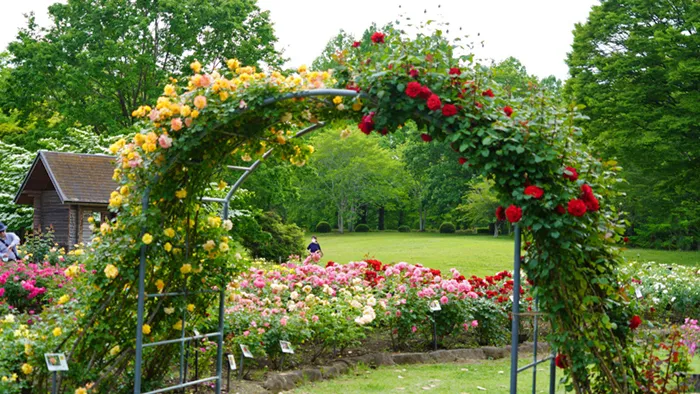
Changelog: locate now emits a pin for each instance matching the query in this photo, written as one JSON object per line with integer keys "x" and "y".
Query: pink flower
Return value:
{"x": 154, "y": 115}
{"x": 444, "y": 300}
{"x": 246, "y": 333}
{"x": 200, "y": 102}
{"x": 283, "y": 321}
{"x": 188, "y": 122}
{"x": 259, "y": 283}
{"x": 414, "y": 329}
{"x": 164, "y": 141}
{"x": 176, "y": 124}
{"x": 2, "y": 291}
{"x": 314, "y": 318}
{"x": 475, "y": 323}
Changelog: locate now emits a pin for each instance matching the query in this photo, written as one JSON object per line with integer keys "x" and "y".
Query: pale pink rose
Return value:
{"x": 259, "y": 283}
{"x": 283, "y": 321}
{"x": 444, "y": 300}
{"x": 314, "y": 318}
{"x": 414, "y": 329}
{"x": 246, "y": 333}
{"x": 398, "y": 313}
{"x": 188, "y": 121}
{"x": 475, "y": 323}
{"x": 471, "y": 294}
{"x": 164, "y": 141}
{"x": 204, "y": 81}
{"x": 176, "y": 124}
{"x": 154, "y": 115}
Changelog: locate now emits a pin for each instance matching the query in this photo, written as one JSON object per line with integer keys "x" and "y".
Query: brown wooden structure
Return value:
{"x": 65, "y": 190}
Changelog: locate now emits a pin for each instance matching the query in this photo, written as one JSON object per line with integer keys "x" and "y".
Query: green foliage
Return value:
{"x": 362, "y": 228}
{"x": 323, "y": 227}
{"x": 478, "y": 206}
{"x": 14, "y": 165}
{"x": 107, "y": 58}
{"x": 635, "y": 67}
{"x": 404, "y": 229}
{"x": 447, "y": 228}
{"x": 493, "y": 323}
{"x": 268, "y": 237}
{"x": 483, "y": 230}
{"x": 39, "y": 246}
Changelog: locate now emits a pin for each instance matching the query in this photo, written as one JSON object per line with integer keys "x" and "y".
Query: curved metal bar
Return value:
{"x": 312, "y": 93}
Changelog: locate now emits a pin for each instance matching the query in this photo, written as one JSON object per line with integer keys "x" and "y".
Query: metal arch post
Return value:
{"x": 516, "y": 315}
{"x": 141, "y": 302}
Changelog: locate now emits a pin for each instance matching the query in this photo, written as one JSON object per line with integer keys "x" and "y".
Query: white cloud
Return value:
{"x": 537, "y": 32}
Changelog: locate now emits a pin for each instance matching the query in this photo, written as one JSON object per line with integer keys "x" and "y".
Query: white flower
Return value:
{"x": 371, "y": 301}
{"x": 228, "y": 225}
{"x": 294, "y": 295}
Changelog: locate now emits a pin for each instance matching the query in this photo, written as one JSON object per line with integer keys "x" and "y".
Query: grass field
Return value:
{"x": 470, "y": 254}
{"x": 489, "y": 376}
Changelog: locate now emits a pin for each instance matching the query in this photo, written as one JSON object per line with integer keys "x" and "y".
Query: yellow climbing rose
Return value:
{"x": 111, "y": 271}
{"x": 147, "y": 238}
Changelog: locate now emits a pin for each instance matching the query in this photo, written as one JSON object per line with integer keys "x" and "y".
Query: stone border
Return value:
{"x": 284, "y": 381}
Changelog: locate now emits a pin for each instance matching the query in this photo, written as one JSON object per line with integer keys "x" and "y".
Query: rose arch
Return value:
{"x": 166, "y": 242}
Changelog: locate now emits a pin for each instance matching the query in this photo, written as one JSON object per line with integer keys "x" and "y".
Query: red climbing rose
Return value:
{"x": 378, "y": 38}
{"x": 573, "y": 176}
{"x": 367, "y": 123}
{"x": 635, "y": 321}
{"x": 356, "y": 44}
{"x": 508, "y": 110}
{"x": 514, "y": 213}
{"x": 625, "y": 240}
{"x": 455, "y": 71}
{"x": 560, "y": 209}
{"x": 589, "y": 198}
{"x": 462, "y": 160}
{"x": 413, "y": 89}
{"x": 449, "y": 110}
{"x": 586, "y": 191}
{"x": 561, "y": 361}
{"x": 487, "y": 93}
{"x": 500, "y": 213}
{"x": 534, "y": 191}
{"x": 426, "y": 137}
{"x": 577, "y": 207}
{"x": 413, "y": 73}
{"x": 434, "y": 102}
{"x": 425, "y": 93}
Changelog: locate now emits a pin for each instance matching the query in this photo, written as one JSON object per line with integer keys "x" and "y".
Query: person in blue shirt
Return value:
{"x": 8, "y": 244}
{"x": 314, "y": 247}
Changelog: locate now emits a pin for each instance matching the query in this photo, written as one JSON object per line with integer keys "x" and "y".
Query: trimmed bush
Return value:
{"x": 362, "y": 228}
{"x": 484, "y": 230}
{"x": 447, "y": 228}
{"x": 266, "y": 236}
{"x": 323, "y": 227}
{"x": 404, "y": 229}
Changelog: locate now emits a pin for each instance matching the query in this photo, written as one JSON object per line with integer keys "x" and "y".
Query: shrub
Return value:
{"x": 323, "y": 227}
{"x": 447, "y": 228}
{"x": 268, "y": 237}
{"x": 484, "y": 230}
{"x": 39, "y": 247}
{"x": 404, "y": 229}
{"x": 362, "y": 228}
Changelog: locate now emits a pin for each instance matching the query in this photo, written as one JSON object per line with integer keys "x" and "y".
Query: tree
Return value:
{"x": 479, "y": 205}
{"x": 635, "y": 64}
{"x": 100, "y": 59}
{"x": 348, "y": 170}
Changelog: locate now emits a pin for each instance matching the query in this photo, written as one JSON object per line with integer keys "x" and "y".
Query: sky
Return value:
{"x": 537, "y": 32}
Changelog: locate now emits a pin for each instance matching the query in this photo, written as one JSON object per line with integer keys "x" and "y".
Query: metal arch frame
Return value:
{"x": 142, "y": 265}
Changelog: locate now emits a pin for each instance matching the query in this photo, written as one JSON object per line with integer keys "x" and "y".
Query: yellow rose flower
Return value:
{"x": 178, "y": 325}
{"x": 186, "y": 268}
{"x": 80, "y": 390}
{"x": 115, "y": 350}
{"x": 196, "y": 66}
{"x": 357, "y": 105}
{"x": 182, "y": 193}
{"x": 223, "y": 96}
{"x": 233, "y": 64}
{"x": 57, "y": 332}
{"x": 169, "y": 232}
{"x": 223, "y": 247}
{"x": 190, "y": 308}
{"x": 194, "y": 114}
{"x": 111, "y": 271}
{"x": 337, "y": 100}
{"x": 209, "y": 245}
{"x": 168, "y": 247}
{"x": 160, "y": 285}
{"x": 27, "y": 369}
{"x": 64, "y": 298}
{"x": 302, "y": 69}
{"x": 147, "y": 238}
{"x": 169, "y": 90}
{"x": 169, "y": 311}
{"x": 214, "y": 221}
{"x": 146, "y": 329}
{"x": 200, "y": 102}
{"x": 185, "y": 110}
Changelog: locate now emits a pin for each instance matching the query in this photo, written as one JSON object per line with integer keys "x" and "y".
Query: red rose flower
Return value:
{"x": 561, "y": 361}
{"x": 462, "y": 160}
{"x": 635, "y": 321}
{"x": 455, "y": 71}
{"x": 500, "y": 213}
{"x": 413, "y": 73}
{"x": 425, "y": 93}
{"x": 330, "y": 264}
{"x": 592, "y": 204}
{"x": 413, "y": 89}
{"x": 378, "y": 38}
{"x": 356, "y": 44}
{"x": 586, "y": 191}
{"x": 514, "y": 213}
{"x": 487, "y": 93}
{"x": 573, "y": 176}
{"x": 367, "y": 123}
{"x": 577, "y": 207}
{"x": 449, "y": 110}
{"x": 534, "y": 191}
{"x": 352, "y": 86}
{"x": 434, "y": 102}
{"x": 508, "y": 110}
{"x": 478, "y": 105}
{"x": 426, "y": 137}
{"x": 560, "y": 209}
{"x": 625, "y": 240}
{"x": 384, "y": 131}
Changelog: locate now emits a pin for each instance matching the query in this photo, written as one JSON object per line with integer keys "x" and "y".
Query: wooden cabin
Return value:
{"x": 65, "y": 190}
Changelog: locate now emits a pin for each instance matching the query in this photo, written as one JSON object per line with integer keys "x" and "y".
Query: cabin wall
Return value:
{"x": 54, "y": 214}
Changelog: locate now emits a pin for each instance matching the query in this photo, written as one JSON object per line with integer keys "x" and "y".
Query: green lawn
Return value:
{"x": 493, "y": 376}
{"x": 472, "y": 255}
